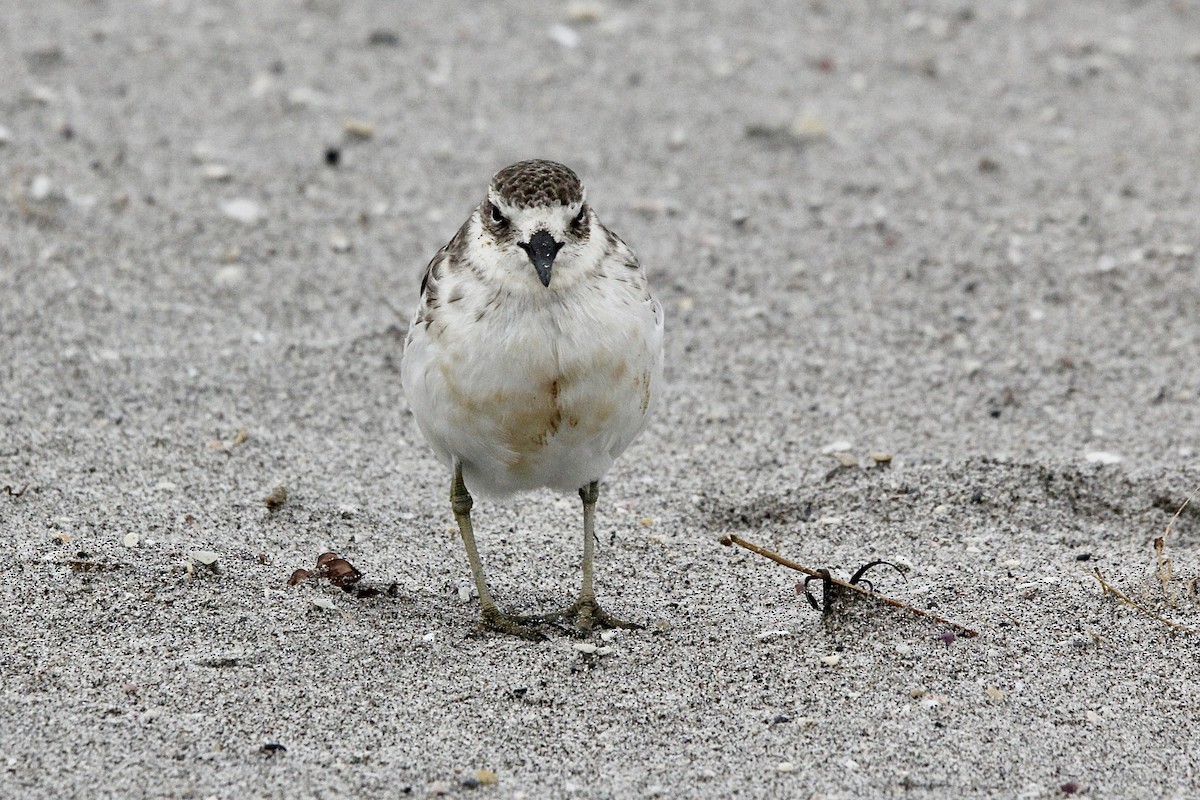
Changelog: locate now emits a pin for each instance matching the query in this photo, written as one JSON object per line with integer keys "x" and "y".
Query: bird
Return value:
{"x": 533, "y": 360}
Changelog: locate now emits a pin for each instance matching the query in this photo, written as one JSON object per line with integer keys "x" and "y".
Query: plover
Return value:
{"x": 534, "y": 360}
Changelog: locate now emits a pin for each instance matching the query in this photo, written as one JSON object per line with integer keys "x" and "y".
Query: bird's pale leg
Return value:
{"x": 492, "y": 617}
{"x": 586, "y": 611}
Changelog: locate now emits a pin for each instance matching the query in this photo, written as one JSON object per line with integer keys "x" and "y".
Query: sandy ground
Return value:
{"x": 963, "y": 235}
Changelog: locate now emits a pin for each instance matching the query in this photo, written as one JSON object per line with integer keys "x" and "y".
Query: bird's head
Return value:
{"x": 536, "y": 221}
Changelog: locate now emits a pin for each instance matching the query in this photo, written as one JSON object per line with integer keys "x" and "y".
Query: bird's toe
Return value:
{"x": 493, "y": 619}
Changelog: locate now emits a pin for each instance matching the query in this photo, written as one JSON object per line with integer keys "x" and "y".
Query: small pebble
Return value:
{"x": 840, "y": 446}
{"x": 587, "y": 648}
{"x": 785, "y": 766}
{"x": 807, "y": 128}
{"x": 903, "y": 650}
{"x": 846, "y": 460}
{"x": 1101, "y": 457}
{"x": 5, "y": 136}
{"x": 608, "y": 636}
{"x": 324, "y": 603}
{"x": 339, "y": 243}
{"x": 40, "y": 188}
{"x": 130, "y": 540}
{"x": 216, "y": 172}
{"x": 1012, "y": 563}
{"x": 229, "y": 275}
{"x": 358, "y": 129}
{"x": 564, "y": 36}
{"x": 263, "y": 82}
{"x": 243, "y": 210}
{"x": 831, "y": 660}
{"x": 994, "y": 693}
{"x": 206, "y": 558}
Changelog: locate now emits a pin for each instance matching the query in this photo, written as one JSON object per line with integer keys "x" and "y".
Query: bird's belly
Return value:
{"x": 545, "y": 419}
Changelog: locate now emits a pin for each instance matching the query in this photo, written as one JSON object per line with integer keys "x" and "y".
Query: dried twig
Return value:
{"x": 1164, "y": 569}
{"x": 11, "y": 492}
{"x": 1124, "y": 599}
{"x": 1178, "y": 511}
{"x": 824, "y": 575}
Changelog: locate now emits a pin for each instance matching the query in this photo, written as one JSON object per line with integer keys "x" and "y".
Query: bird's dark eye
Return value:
{"x": 497, "y": 217}
{"x": 581, "y": 216}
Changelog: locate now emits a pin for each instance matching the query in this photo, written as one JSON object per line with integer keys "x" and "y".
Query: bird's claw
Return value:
{"x": 587, "y": 616}
{"x": 493, "y": 619}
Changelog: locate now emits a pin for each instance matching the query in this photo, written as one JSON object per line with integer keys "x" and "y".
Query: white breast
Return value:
{"x": 527, "y": 397}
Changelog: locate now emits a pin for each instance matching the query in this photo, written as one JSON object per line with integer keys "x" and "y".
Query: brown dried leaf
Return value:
{"x": 298, "y": 577}
{"x": 341, "y": 573}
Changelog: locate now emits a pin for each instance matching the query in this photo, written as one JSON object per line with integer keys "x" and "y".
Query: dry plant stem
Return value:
{"x": 961, "y": 630}
{"x": 1190, "y": 497}
{"x": 1125, "y": 599}
{"x": 1164, "y": 571}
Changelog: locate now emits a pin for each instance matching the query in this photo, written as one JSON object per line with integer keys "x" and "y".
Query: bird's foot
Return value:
{"x": 493, "y": 619}
{"x": 587, "y": 614}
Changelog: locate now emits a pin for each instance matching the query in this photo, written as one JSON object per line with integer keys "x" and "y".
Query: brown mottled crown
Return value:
{"x": 537, "y": 183}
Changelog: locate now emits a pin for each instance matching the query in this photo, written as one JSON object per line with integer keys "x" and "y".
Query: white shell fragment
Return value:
{"x": 243, "y": 210}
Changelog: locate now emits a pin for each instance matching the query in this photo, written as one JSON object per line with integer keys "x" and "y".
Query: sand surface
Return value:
{"x": 964, "y": 235}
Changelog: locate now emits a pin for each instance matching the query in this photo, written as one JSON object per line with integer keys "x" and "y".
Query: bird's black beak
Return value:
{"x": 542, "y": 249}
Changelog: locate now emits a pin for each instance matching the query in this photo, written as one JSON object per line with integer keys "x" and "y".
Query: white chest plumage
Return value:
{"x": 527, "y": 395}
